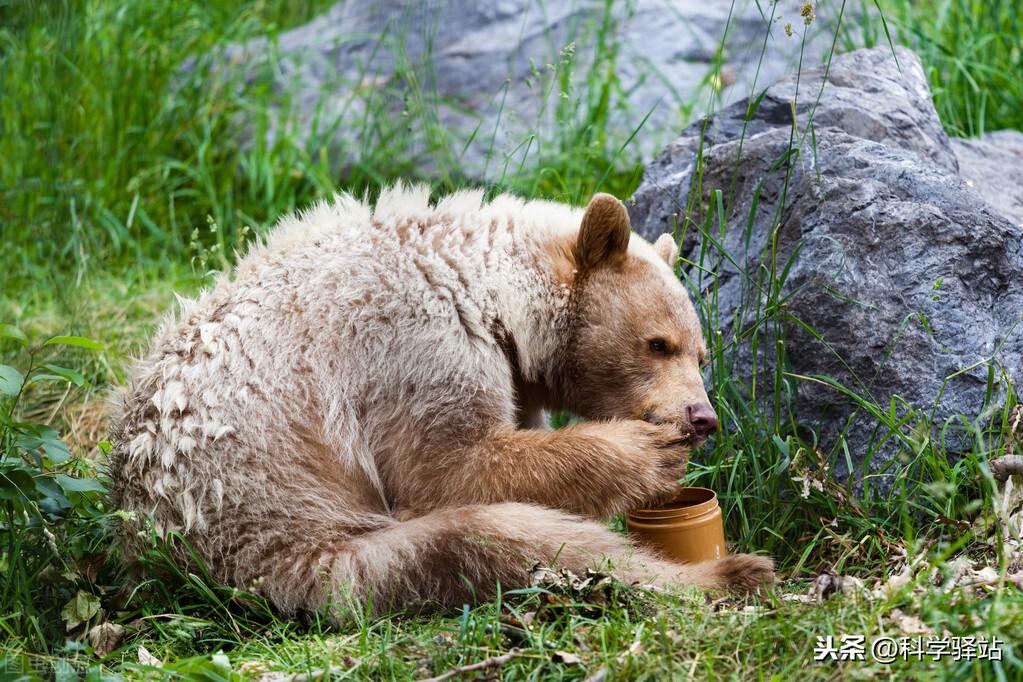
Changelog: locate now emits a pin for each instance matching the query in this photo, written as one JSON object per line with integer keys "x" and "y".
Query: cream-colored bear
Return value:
{"x": 359, "y": 413}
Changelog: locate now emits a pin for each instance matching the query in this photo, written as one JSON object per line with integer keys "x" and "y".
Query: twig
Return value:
{"x": 492, "y": 662}
{"x": 1008, "y": 465}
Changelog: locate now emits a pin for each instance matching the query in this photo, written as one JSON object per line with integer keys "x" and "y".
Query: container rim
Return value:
{"x": 689, "y": 503}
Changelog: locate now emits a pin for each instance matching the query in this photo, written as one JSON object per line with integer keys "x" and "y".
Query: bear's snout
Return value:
{"x": 699, "y": 420}
{"x": 703, "y": 419}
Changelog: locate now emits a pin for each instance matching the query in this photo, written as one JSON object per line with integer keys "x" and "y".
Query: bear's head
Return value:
{"x": 635, "y": 346}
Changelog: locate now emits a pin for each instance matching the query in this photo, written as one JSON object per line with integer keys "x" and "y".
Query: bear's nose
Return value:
{"x": 703, "y": 419}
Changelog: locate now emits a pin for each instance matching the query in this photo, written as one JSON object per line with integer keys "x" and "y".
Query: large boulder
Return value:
{"x": 855, "y": 248}
{"x": 480, "y": 88}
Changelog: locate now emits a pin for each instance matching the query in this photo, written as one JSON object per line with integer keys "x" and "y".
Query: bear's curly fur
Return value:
{"x": 359, "y": 412}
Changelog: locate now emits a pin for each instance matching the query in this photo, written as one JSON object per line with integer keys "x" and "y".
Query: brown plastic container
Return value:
{"x": 688, "y": 529}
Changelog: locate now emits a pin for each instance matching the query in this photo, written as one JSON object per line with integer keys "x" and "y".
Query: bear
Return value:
{"x": 357, "y": 418}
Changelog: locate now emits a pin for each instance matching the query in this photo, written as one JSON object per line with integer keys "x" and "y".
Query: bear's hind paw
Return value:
{"x": 744, "y": 573}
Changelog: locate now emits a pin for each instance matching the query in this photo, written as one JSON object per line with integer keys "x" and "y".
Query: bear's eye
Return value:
{"x": 658, "y": 346}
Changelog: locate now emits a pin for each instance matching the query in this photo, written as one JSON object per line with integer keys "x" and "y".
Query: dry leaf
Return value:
{"x": 959, "y": 567}
{"x": 82, "y": 607}
{"x": 852, "y": 585}
{"x": 910, "y": 625}
{"x": 894, "y": 584}
{"x": 105, "y": 637}
{"x": 146, "y": 658}
{"x": 829, "y": 583}
{"x": 566, "y": 657}
{"x": 544, "y": 577}
{"x": 988, "y": 574}
{"x": 985, "y": 576}
{"x": 824, "y": 585}
{"x": 253, "y": 668}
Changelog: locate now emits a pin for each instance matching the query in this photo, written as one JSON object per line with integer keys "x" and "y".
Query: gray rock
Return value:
{"x": 898, "y": 281}
{"x": 868, "y": 94}
{"x": 473, "y": 88}
{"x": 993, "y": 167}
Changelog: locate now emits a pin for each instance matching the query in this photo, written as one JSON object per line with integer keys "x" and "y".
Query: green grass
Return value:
{"x": 972, "y": 55}
{"x": 125, "y": 179}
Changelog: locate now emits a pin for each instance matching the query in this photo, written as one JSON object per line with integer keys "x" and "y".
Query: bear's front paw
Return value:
{"x": 660, "y": 454}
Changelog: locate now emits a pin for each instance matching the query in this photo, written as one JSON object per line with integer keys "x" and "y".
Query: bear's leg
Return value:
{"x": 453, "y": 556}
{"x": 595, "y": 469}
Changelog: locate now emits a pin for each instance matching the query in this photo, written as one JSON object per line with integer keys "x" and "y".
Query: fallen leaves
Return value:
{"x": 592, "y": 584}
{"x": 105, "y": 637}
{"x": 919, "y": 577}
{"x": 588, "y": 593}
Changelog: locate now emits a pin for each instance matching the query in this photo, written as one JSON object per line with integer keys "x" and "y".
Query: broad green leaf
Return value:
{"x": 42, "y": 378}
{"x": 65, "y": 373}
{"x": 40, "y": 436}
{"x": 11, "y": 380}
{"x": 79, "y": 485}
{"x": 78, "y": 341}
{"x": 80, "y": 609}
{"x": 222, "y": 663}
{"x": 16, "y": 484}
{"x": 8, "y": 331}
{"x": 49, "y": 489}
{"x": 63, "y": 671}
{"x": 57, "y": 450}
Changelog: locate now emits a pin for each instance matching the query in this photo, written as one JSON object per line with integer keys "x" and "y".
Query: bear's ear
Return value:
{"x": 604, "y": 233}
{"x": 667, "y": 249}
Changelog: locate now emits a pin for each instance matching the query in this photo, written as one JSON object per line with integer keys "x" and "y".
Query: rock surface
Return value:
{"x": 993, "y": 167}
{"x": 471, "y": 87}
{"x": 907, "y": 277}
